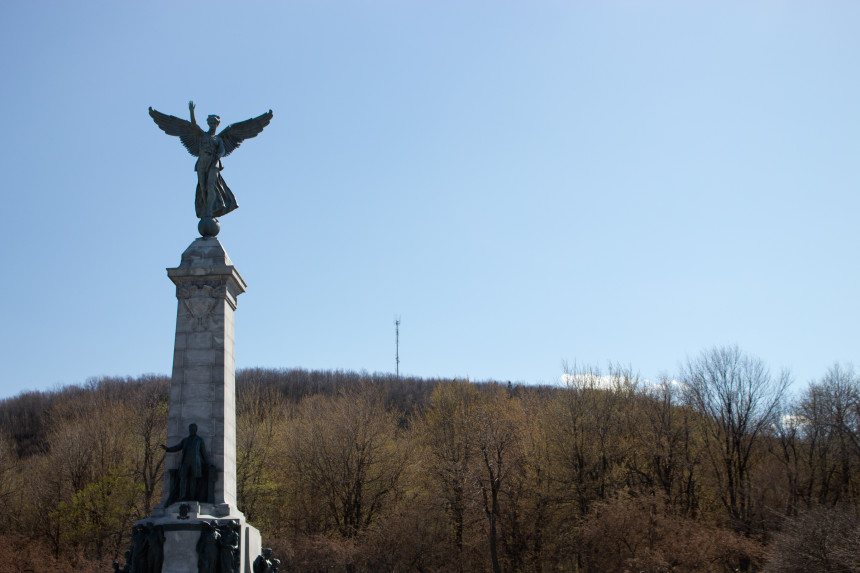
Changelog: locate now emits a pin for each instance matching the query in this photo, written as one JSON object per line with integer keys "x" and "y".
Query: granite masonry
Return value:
{"x": 197, "y": 523}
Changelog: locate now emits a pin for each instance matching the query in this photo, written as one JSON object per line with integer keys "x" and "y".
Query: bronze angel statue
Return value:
{"x": 213, "y": 197}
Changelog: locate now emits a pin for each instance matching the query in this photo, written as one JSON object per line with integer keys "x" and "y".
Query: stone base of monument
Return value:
{"x": 214, "y": 533}
{"x": 209, "y": 535}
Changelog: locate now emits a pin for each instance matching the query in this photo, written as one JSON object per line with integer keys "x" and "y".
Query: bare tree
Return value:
{"x": 819, "y": 539}
{"x": 345, "y": 461}
{"x": 496, "y": 435}
{"x": 259, "y": 417}
{"x": 535, "y": 490}
{"x": 670, "y": 456}
{"x": 791, "y": 450}
{"x": 9, "y": 469}
{"x": 829, "y": 416}
{"x": 738, "y": 400}
{"x": 147, "y": 414}
{"x": 590, "y": 435}
{"x": 444, "y": 430}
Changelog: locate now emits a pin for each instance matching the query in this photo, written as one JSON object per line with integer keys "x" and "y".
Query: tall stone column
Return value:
{"x": 203, "y": 393}
{"x": 203, "y": 384}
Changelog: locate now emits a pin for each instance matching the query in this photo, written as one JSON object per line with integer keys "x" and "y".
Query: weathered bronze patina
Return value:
{"x": 213, "y": 198}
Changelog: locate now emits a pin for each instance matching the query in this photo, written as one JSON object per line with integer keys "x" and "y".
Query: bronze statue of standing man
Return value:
{"x": 191, "y": 467}
{"x": 213, "y": 198}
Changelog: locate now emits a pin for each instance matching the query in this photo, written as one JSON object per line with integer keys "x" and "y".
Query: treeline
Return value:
{"x": 717, "y": 469}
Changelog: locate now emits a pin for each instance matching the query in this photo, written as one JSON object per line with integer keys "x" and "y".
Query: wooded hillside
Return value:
{"x": 717, "y": 470}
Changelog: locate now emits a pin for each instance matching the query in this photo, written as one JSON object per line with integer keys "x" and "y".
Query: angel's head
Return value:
{"x": 213, "y": 121}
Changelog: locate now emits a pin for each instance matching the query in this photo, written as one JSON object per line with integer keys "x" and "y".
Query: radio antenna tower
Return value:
{"x": 397, "y": 346}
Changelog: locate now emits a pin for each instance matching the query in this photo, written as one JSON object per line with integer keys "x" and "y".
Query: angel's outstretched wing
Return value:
{"x": 189, "y": 134}
{"x": 233, "y": 135}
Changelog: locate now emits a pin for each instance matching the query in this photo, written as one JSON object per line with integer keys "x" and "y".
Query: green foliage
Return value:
{"x": 102, "y": 513}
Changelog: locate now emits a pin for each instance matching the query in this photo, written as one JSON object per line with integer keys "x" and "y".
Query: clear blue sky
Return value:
{"x": 524, "y": 183}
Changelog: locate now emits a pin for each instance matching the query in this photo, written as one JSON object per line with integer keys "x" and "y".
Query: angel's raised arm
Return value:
{"x": 189, "y": 133}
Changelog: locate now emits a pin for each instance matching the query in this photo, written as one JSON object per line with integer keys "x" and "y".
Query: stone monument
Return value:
{"x": 197, "y": 527}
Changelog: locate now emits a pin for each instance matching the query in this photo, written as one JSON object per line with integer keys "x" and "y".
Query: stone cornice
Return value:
{"x": 225, "y": 275}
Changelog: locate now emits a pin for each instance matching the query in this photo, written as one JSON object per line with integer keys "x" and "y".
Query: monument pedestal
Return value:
{"x": 200, "y": 520}
{"x": 187, "y": 531}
